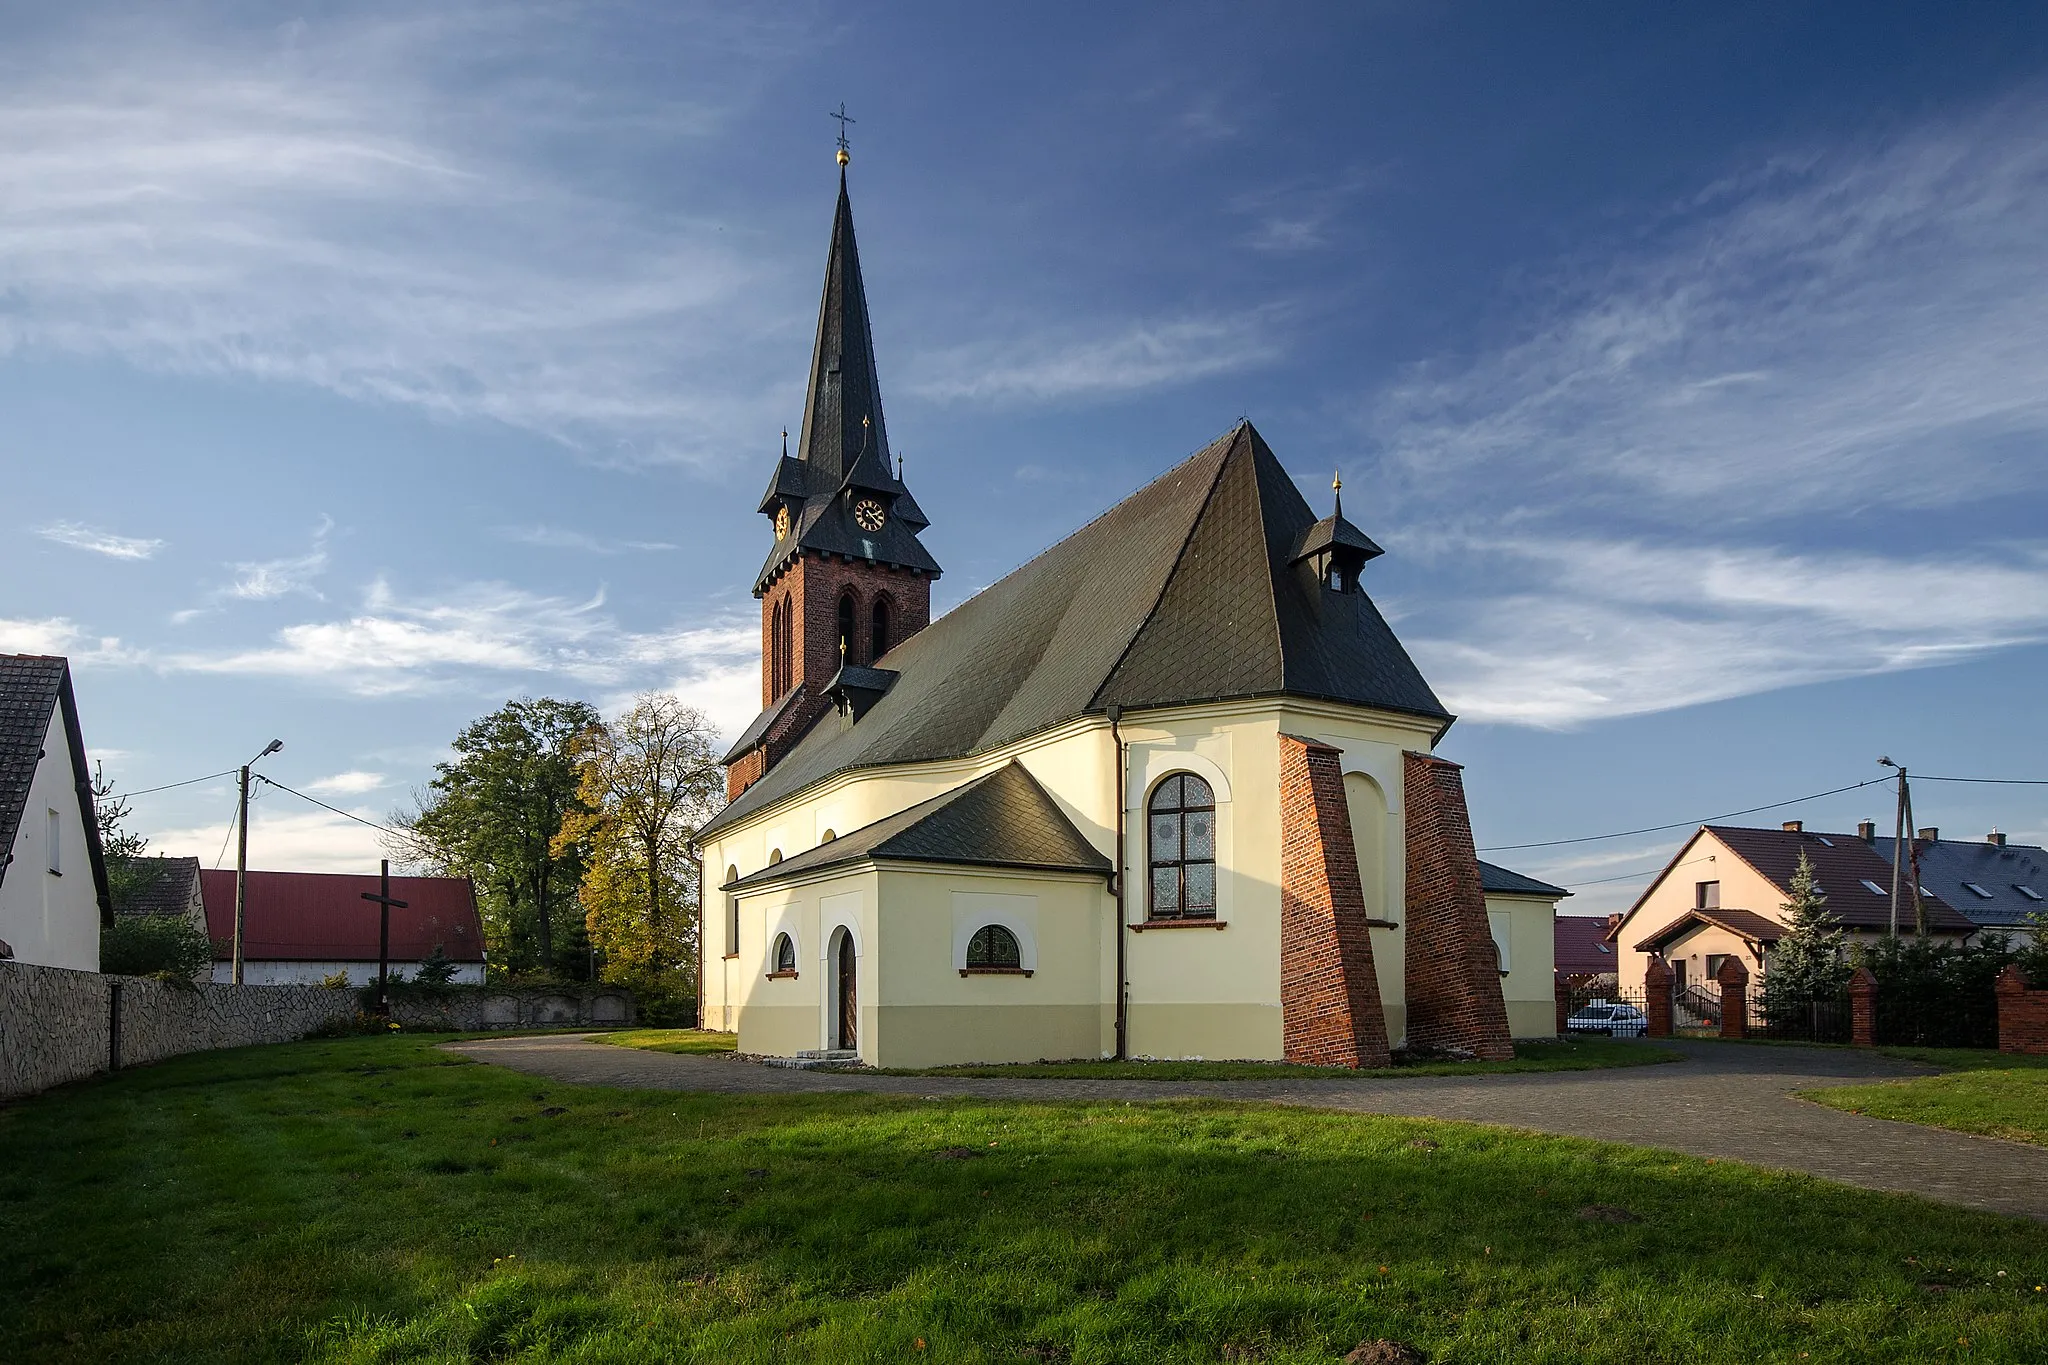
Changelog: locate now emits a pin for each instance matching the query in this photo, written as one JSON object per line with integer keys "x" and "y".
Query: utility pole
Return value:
{"x": 1913, "y": 869}
{"x": 242, "y": 853}
{"x": 1898, "y": 845}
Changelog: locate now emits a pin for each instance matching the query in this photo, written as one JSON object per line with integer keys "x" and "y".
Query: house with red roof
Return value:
{"x": 301, "y": 927}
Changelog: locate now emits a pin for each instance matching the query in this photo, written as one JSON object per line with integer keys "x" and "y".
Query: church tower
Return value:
{"x": 847, "y": 579}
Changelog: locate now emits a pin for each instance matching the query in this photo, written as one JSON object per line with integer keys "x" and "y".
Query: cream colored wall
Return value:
{"x": 1530, "y": 987}
{"x": 1193, "y": 992}
{"x": 52, "y": 919}
{"x": 1692, "y": 949}
{"x": 783, "y": 1017}
{"x": 1705, "y": 858}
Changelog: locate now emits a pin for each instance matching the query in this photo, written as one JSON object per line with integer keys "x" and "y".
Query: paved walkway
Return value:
{"x": 1719, "y": 1101}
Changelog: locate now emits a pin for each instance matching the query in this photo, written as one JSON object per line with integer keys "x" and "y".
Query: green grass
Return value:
{"x": 1574, "y": 1054}
{"x": 670, "y": 1040}
{"x": 2002, "y": 1101}
{"x": 375, "y": 1199}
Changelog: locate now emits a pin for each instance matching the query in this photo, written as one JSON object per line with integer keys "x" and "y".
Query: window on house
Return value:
{"x": 1714, "y": 961}
{"x": 785, "y": 956}
{"x": 1501, "y": 925}
{"x": 2029, "y": 892}
{"x": 54, "y": 837}
{"x": 1979, "y": 892}
{"x": 1182, "y": 840}
{"x": 774, "y": 856}
{"x": 878, "y": 629}
{"x": 1706, "y": 895}
{"x": 1873, "y": 888}
{"x": 781, "y": 641}
{"x": 994, "y": 949}
{"x": 732, "y": 915}
{"x": 846, "y": 610}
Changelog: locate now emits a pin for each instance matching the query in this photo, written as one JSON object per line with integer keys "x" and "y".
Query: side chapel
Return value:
{"x": 1166, "y": 790}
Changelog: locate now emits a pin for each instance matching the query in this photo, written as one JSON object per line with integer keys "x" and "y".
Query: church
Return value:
{"x": 1165, "y": 791}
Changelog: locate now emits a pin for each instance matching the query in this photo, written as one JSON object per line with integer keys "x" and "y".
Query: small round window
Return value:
{"x": 785, "y": 953}
{"x": 994, "y": 948}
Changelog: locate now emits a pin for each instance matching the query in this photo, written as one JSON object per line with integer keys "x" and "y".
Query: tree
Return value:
{"x": 1808, "y": 964}
{"x": 130, "y": 875}
{"x": 170, "y": 948}
{"x": 647, "y": 781}
{"x": 492, "y": 815}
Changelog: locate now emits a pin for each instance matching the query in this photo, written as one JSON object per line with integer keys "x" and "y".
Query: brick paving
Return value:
{"x": 1725, "y": 1101}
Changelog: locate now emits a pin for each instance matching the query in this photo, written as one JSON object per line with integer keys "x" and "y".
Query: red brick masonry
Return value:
{"x": 1862, "y": 1008}
{"x": 1657, "y": 997}
{"x": 1734, "y": 980}
{"x": 2022, "y": 1014}
{"x": 1454, "y": 998}
{"x": 1329, "y": 992}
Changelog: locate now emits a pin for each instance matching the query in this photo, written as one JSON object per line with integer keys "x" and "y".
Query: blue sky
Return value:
{"x": 364, "y": 369}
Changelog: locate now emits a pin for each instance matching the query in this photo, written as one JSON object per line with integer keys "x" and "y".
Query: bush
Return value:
{"x": 435, "y": 969}
{"x": 168, "y": 947}
{"x": 1931, "y": 993}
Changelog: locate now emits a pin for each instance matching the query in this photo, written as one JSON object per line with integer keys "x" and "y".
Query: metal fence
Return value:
{"x": 1804, "y": 1021}
{"x": 1600, "y": 1007}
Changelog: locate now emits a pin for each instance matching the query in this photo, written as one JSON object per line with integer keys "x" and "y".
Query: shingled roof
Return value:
{"x": 32, "y": 688}
{"x": 163, "y": 886}
{"x": 1002, "y": 819}
{"x": 1183, "y": 592}
{"x": 1841, "y": 864}
{"x": 1500, "y": 881}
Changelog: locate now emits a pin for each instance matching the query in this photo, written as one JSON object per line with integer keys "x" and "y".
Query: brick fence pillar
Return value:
{"x": 1564, "y": 1007}
{"x": 1734, "y": 979}
{"x": 2022, "y": 1014}
{"x": 1657, "y": 996}
{"x": 1862, "y": 1008}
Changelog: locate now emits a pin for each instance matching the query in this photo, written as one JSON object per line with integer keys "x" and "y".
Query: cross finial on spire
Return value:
{"x": 845, "y": 148}
{"x": 1337, "y": 487}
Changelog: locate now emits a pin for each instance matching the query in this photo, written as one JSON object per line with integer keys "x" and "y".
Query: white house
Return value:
{"x": 53, "y": 883}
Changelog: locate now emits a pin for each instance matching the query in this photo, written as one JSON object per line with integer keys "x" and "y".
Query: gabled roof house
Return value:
{"x": 54, "y": 897}
{"x": 301, "y": 927}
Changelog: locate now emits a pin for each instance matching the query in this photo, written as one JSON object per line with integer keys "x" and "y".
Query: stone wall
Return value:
{"x": 58, "y": 1025}
{"x": 473, "y": 1009}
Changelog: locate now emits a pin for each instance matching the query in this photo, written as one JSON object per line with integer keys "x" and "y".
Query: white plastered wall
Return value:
{"x": 1524, "y": 928}
{"x": 52, "y": 919}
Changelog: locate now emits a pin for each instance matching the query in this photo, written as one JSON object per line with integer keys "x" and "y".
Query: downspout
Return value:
{"x": 1116, "y": 889}
{"x": 696, "y": 856}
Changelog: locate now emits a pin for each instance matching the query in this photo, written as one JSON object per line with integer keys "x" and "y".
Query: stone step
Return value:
{"x": 830, "y": 1054}
{"x": 814, "y": 1060}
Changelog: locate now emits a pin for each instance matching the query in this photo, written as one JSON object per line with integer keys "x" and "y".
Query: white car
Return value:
{"x": 1611, "y": 1018}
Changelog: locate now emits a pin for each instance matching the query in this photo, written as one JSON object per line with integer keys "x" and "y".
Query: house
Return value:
{"x": 1723, "y": 895}
{"x": 53, "y": 883}
{"x": 1521, "y": 914}
{"x": 302, "y": 927}
{"x": 1583, "y": 951}
{"x": 165, "y": 887}
{"x": 1998, "y": 885}
{"x": 1166, "y": 790}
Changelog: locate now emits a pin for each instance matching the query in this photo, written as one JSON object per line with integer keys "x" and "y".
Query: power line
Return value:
{"x": 1631, "y": 876}
{"x": 230, "y": 772}
{"x": 232, "y": 819}
{"x": 1690, "y": 824}
{"x": 1994, "y": 781}
{"x": 346, "y": 815}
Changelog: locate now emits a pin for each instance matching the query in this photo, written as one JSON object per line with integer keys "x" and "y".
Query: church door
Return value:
{"x": 848, "y": 1012}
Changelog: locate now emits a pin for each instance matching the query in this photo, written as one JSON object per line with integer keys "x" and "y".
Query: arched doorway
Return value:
{"x": 846, "y": 1011}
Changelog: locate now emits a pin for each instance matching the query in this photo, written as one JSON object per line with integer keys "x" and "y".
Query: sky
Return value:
{"x": 363, "y": 367}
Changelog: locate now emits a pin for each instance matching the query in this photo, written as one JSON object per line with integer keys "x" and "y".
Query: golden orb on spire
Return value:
{"x": 844, "y": 156}
{"x": 1337, "y": 482}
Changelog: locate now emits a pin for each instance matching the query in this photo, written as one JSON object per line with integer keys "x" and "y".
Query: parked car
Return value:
{"x": 1611, "y": 1018}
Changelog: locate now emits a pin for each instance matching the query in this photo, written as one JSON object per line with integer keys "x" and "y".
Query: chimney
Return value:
{"x": 1995, "y": 837}
{"x": 1613, "y": 923}
{"x": 1930, "y": 834}
{"x": 1794, "y": 826}
{"x": 1866, "y": 830}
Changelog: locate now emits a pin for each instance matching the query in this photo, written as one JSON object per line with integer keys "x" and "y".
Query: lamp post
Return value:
{"x": 242, "y": 852}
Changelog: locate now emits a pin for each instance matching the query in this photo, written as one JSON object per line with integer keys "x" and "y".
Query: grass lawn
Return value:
{"x": 1993, "y": 1093}
{"x": 377, "y": 1200}
{"x": 1576, "y": 1054}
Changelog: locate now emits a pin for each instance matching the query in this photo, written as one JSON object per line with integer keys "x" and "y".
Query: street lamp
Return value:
{"x": 242, "y": 853}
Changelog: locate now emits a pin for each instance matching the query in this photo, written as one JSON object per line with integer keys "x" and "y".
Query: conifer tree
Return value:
{"x": 1808, "y": 963}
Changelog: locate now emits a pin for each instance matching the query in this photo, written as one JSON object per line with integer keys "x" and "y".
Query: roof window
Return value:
{"x": 2029, "y": 892}
{"x": 1978, "y": 891}
{"x": 1873, "y": 888}
{"x": 1824, "y": 839}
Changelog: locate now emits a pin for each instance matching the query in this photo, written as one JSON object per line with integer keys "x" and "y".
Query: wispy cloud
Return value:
{"x": 267, "y": 579}
{"x": 351, "y": 783}
{"x": 83, "y": 537}
{"x": 285, "y": 834}
{"x": 1126, "y": 358}
{"x": 558, "y": 538}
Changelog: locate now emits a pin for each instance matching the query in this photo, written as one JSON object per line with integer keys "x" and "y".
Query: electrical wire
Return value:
{"x": 1691, "y": 824}
{"x": 233, "y": 820}
{"x": 1631, "y": 876}
{"x": 169, "y": 785}
{"x": 406, "y": 835}
{"x": 1994, "y": 781}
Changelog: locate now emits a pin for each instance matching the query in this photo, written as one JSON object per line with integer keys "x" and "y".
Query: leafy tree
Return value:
{"x": 130, "y": 875}
{"x": 647, "y": 781}
{"x": 170, "y": 948}
{"x": 1809, "y": 964}
{"x": 492, "y": 815}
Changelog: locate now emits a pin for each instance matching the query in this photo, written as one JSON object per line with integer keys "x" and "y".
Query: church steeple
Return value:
{"x": 843, "y": 410}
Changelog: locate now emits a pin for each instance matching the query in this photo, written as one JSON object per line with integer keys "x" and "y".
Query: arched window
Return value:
{"x": 827, "y": 837}
{"x": 774, "y": 856}
{"x": 878, "y": 629}
{"x": 785, "y": 956}
{"x": 1182, "y": 842}
{"x": 732, "y": 915}
{"x": 846, "y": 618}
{"x": 780, "y": 642}
{"x": 994, "y": 949}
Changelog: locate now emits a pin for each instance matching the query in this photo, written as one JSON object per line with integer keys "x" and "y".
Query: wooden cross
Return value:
{"x": 382, "y": 895}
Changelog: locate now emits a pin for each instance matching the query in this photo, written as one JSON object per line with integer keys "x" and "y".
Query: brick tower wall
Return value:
{"x": 1329, "y": 993}
{"x": 1454, "y": 997}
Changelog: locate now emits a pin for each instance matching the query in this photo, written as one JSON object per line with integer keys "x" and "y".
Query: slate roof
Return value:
{"x": 1580, "y": 946}
{"x": 168, "y": 892}
{"x": 1841, "y": 862}
{"x": 1500, "y": 881}
{"x": 1003, "y": 819}
{"x": 2002, "y": 869}
{"x": 32, "y": 687}
{"x": 761, "y": 725}
{"x": 1745, "y": 924}
{"x": 322, "y": 917}
{"x": 1183, "y": 592}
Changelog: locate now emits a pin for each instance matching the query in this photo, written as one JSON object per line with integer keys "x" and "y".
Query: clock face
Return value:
{"x": 781, "y": 522}
{"x": 868, "y": 514}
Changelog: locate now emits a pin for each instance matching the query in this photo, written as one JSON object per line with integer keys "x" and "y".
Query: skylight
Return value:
{"x": 1873, "y": 888}
{"x": 1824, "y": 839}
{"x": 2029, "y": 892}
{"x": 1979, "y": 891}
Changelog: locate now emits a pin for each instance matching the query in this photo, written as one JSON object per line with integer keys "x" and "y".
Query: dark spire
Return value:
{"x": 844, "y": 385}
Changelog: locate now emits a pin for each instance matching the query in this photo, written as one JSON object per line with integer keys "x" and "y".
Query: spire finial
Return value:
{"x": 1337, "y": 487}
{"x": 785, "y": 443}
{"x": 899, "y": 466}
{"x": 845, "y": 148}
